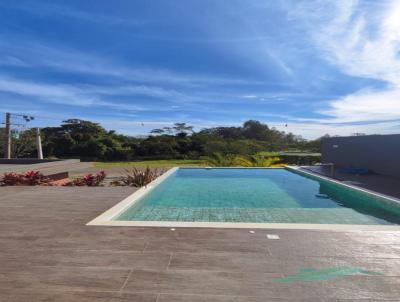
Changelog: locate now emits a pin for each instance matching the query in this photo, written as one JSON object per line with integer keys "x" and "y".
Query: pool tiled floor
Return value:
{"x": 254, "y": 196}
{"x": 269, "y": 215}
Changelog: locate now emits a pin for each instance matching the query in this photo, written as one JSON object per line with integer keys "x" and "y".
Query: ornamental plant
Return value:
{"x": 30, "y": 178}
{"x": 11, "y": 179}
{"x": 89, "y": 180}
{"x": 230, "y": 160}
{"x": 138, "y": 177}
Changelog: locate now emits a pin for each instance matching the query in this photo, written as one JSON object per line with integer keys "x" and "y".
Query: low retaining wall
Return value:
{"x": 25, "y": 161}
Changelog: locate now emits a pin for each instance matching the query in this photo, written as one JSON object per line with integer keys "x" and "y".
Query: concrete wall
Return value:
{"x": 379, "y": 153}
{"x": 25, "y": 161}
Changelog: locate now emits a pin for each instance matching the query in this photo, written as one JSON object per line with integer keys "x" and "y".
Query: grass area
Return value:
{"x": 160, "y": 163}
{"x": 152, "y": 163}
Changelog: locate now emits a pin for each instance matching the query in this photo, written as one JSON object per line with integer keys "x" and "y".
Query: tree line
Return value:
{"x": 86, "y": 140}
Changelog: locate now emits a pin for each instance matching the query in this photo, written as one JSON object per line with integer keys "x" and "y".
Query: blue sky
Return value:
{"x": 317, "y": 66}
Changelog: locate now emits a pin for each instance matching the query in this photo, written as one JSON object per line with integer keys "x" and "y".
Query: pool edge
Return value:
{"x": 106, "y": 218}
{"x": 127, "y": 202}
{"x": 243, "y": 225}
{"x": 386, "y": 198}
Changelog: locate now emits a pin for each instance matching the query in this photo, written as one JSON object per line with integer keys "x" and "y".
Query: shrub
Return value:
{"x": 138, "y": 177}
{"x": 261, "y": 160}
{"x": 230, "y": 160}
{"x": 12, "y": 179}
{"x": 89, "y": 180}
{"x": 30, "y": 178}
{"x": 33, "y": 178}
{"x": 219, "y": 160}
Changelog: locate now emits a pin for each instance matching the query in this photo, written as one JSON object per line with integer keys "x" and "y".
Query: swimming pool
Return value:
{"x": 250, "y": 196}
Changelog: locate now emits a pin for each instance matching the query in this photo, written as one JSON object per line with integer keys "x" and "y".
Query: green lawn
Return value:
{"x": 152, "y": 163}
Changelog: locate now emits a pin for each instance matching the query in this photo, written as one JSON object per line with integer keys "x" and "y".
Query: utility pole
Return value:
{"x": 39, "y": 144}
{"x": 7, "y": 142}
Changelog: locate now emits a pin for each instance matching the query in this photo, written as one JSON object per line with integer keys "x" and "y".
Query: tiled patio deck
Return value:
{"x": 48, "y": 254}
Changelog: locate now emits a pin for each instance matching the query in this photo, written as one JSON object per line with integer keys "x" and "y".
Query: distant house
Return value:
{"x": 377, "y": 153}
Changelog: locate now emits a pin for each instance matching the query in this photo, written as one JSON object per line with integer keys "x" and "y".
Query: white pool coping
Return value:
{"x": 106, "y": 218}
{"x": 120, "y": 207}
{"x": 301, "y": 170}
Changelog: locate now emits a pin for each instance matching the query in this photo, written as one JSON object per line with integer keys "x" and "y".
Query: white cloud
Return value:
{"x": 363, "y": 44}
{"x": 12, "y": 61}
{"x": 312, "y": 130}
{"x": 38, "y": 55}
{"x": 308, "y": 130}
{"x": 81, "y": 96}
{"x": 52, "y": 9}
{"x": 366, "y": 105}
{"x": 362, "y": 38}
{"x": 58, "y": 94}
{"x": 153, "y": 91}
{"x": 278, "y": 60}
{"x": 70, "y": 95}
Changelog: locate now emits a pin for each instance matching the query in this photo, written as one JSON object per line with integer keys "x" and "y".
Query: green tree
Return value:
{"x": 157, "y": 131}
{"x": 181, "y": 129}
{"x": 76, "y": 138}
{"x": 84, "y": 139}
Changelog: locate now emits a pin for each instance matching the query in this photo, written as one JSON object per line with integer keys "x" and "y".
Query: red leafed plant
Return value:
{"x": 33, "y": 178}
{"x": 90, "y": 180}
{"x": 137, "y": 177}
{"x": 12, "y": 179}
{"x": 30, "y": 178}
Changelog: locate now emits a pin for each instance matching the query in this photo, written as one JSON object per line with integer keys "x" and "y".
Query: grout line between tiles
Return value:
{"x": 169, "y": 262}
{"x": 145, "y": 246}
{"x": 126, "y": 280}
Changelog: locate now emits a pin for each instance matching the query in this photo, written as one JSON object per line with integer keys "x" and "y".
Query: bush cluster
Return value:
{"x": 30, "y": 178}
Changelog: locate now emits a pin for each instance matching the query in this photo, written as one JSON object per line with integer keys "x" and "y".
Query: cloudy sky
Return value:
{"x": 317, "y": 66}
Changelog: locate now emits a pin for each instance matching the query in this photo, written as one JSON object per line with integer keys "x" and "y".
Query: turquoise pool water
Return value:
{"x": 258, "y": 195}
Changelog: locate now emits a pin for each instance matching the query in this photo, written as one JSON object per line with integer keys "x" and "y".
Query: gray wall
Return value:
{"x": 25, "y": 161}
{"x": 379, "y": 153}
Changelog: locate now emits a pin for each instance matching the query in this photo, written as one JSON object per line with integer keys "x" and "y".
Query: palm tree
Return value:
{"x": 241, "y": 161}
{"x": 261, "y": 160}
{"x": 219, "y": 160}
{"x": 257, "y": 160}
